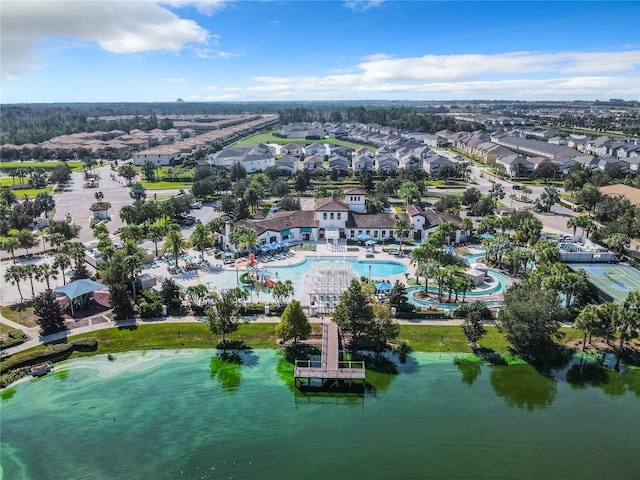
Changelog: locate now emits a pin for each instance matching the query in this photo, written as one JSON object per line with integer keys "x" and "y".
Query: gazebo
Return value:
{"x": 78, "y": 288}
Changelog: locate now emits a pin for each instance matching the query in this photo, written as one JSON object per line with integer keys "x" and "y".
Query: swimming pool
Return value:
{"x": 380, "y": 270}
{"x": 483, "y": 294}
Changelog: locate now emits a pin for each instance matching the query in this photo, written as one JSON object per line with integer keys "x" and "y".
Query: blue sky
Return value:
{"x": 216, "y": 50}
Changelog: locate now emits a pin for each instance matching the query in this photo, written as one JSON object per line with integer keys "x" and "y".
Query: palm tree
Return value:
{"x": 46, "y": 272}
{"x": 156, "y": 233}
{"x": 201, "y": 238}
{"x": 131, "y": 233}
{"x": 401, "y": 229}
{"x": 440, "y": 275}
{"x": 549, "y": 197}
{"x": 62, "y": 262}
{"x": 573, "y": 223}
{"x": 175, "y": 243}
{"x": 409, "y": 192}
{"x": 426, "y": 270}
{"x": 196, "y": 292}
{"x": 29, "y": 271}
{"x": 587, "y": 321}
{"x": 11, "y": 244}
{"x": 249, "y": 240}
{"x": 627, "y": 324}
{"x": 56, "y": 239}
{"x": 133, "y": 266}
{"x": 13, "y": 275}
{"x": 467, "y": 226}
{"x": 466, "y": 283}
{"x": 448, "y": 230}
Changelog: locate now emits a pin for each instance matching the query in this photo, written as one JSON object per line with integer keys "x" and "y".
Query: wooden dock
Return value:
{"x": 329, "y": 369}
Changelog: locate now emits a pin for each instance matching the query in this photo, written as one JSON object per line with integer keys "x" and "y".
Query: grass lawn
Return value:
{"x": 269, "y": 138}
{"x": 5, "y": 328}
{"x": 75, "y": 166}
{"x": 166, "y": 185}
{"x": 22, "y": 315}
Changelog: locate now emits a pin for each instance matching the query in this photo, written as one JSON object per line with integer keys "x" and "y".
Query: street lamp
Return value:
{"x": 237, "y": 280}
{"x": 369, "y": 273}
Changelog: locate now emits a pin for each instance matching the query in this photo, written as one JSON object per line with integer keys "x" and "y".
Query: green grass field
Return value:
{"x": 269, "y": 138}
{"x": 74, "y": 165}
{"x": 166, "y": 185}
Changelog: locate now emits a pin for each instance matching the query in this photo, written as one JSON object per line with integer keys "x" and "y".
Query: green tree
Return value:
{"x": 137, "y": 192}
{"x": 473, "y": 328}
{"x": 248, "y": 240}
{"x": 175, "y": 244}
{"x": 13, "y": 275}
{"x": 382, "y": 328}
{"x": 354, "y": 312}
{"x": 61, "y": 262}
{"x": 46, "y": 272}
{"x": 224, "y": 311}
{"x": 626, "y": 321}
{"x": 44, "y": 203}
{"x": 200, "y": 239}
{"x": 530, "y": 321}
{"x": 294, "y": 324}
{"x": 618, "y": 242}
{"x": 11, "y": 244}
{"x": 401, "y": 230}
{"x": 409, "y": 193}
{"x": 48, "y": 313}
{"x": 549, "y": 197}
{"x": 398, "y": 298}
{"x": 497, "y": 192}
{"x": 282, "y": 291}
{"x": 155, "y": 233}
{"x": 148, "y": 170}
{"x": 587, "y": 321}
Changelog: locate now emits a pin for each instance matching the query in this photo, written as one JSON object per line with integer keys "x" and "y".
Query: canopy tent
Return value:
{"x": 383, "y": 286}
{"x": 78, "y": 288}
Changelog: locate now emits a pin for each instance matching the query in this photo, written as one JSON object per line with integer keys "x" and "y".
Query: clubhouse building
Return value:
{"x": 344, "y": 218}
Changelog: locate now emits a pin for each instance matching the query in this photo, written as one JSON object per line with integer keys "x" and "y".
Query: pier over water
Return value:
{"x": 330, "y": 371}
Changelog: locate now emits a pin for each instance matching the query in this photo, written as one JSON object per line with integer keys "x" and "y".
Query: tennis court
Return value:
{"x": 614, "y": 282}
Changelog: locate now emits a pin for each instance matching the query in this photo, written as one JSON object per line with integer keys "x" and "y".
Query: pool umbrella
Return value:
{"x": 486, "y": 235}
{"x": 363, "y": 236}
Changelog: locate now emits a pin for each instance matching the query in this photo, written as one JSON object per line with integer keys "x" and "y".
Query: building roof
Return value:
{"x": 355, "y": 191}
{"x": 329, "y": 204}
{"x": 376, "y": 221}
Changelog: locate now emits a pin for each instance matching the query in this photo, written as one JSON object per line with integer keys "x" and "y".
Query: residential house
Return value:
{"x": 431, "y": 164}
{"x": 313, "y": 162}
{"x": 338, "y": 162}
{"x": 363, "y": 162}
{"x": 288, "y": 164}
{"x": 516, "y": 165}
{"x": 291, "y": 149}
{"x": 315, "y": 149}
{"x": 386, "y": 162}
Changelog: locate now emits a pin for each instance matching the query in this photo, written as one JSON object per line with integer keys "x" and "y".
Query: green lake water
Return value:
{"x": 180, "y": 415}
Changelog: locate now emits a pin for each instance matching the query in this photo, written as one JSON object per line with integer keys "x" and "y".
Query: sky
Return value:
{"x": 267, "y": 50}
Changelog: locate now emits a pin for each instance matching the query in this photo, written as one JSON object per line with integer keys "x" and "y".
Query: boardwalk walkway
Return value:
{"x": 329, "y": 368}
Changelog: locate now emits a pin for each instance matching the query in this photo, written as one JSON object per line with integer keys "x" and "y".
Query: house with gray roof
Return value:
{"x": 431, "y": 164}
{"x": 516, "y": 165}
{"x": 288, "y": 164}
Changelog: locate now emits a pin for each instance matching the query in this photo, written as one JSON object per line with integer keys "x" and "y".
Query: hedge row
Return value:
{"x": 15, "y": 337}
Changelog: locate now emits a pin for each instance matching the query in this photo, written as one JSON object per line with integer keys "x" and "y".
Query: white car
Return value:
{"x": 196, "y": 205}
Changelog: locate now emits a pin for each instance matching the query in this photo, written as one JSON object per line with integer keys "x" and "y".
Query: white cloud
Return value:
{"x": 362, "y": 5}
{"x": 174, "y": 80}
{"x": 507, "y": 75}
{"x": 116, "y": 26}
{"x": 206, "y": 7}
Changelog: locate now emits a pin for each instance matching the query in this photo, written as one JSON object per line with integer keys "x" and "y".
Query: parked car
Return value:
{"x": 196, "y": 205}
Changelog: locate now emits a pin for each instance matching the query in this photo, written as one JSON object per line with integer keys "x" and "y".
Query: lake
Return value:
{"x": 188, "y": 415}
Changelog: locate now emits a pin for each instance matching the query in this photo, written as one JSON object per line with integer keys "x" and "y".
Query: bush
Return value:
{"x": 59, "y": 351}
{"x": 15, "y": 337}
{"x": 150, "y": 310}
{"x": 85, "y": 344}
